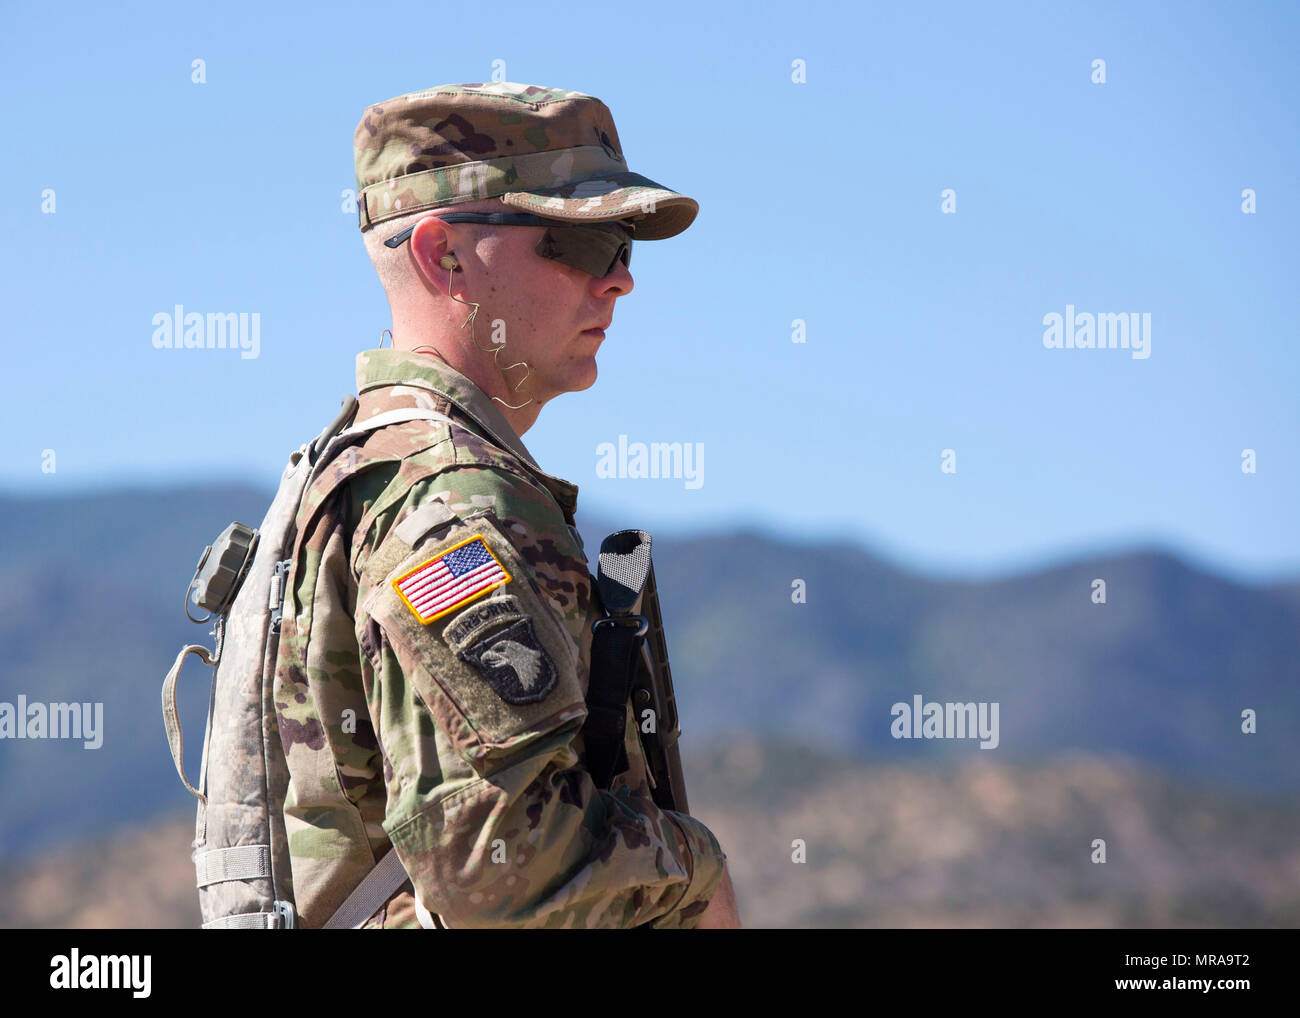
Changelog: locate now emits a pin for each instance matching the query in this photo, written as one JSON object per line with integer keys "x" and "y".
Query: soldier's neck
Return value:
{"x": 522, "y": 411}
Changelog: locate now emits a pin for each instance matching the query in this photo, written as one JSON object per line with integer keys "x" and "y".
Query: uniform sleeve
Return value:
{"x": 470, "y": 623}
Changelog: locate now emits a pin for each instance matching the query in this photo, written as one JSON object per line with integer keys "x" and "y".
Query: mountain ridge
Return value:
{"x": 92, "y": 611}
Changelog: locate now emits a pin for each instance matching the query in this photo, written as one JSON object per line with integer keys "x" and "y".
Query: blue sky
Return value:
{"x": 820, "y": 201}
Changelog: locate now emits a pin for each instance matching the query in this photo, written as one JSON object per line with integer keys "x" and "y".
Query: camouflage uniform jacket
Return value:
{"x": 456, "y": 739}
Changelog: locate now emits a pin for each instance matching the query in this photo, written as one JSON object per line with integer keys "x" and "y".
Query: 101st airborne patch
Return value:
{"x": 514, "y": 663}
{"x": 447, "y": 581}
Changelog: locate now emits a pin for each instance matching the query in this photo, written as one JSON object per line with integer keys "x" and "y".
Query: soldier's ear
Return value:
{"x": 430, "y": 249}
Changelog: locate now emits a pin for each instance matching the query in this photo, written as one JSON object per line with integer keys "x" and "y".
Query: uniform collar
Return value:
{"x": 377, "y": 369}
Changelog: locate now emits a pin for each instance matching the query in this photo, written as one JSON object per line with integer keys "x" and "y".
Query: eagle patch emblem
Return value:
{"x": 514, "y": 663}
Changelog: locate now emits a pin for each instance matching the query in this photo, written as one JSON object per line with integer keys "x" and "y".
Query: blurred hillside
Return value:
{"x": 983, "y": 844}
{"x": 90, "y": 610}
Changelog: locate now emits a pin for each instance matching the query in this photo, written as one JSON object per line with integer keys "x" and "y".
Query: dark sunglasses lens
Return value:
{"x": 592, "y": 249}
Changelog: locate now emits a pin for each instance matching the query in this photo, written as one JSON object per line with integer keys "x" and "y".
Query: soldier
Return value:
{"x": 436, "y": 641}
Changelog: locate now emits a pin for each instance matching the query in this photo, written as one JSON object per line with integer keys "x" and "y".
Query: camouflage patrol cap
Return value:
{"x": 547, "y": 151}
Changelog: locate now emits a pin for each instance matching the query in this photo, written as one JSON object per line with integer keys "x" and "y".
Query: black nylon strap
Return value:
{"x": 614, "y": 650}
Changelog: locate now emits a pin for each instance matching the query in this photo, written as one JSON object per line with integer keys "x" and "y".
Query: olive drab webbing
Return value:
{"x": 241, "y": 855}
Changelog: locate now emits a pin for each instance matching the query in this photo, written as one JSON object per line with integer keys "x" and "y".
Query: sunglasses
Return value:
{"x": 595, "y": 248}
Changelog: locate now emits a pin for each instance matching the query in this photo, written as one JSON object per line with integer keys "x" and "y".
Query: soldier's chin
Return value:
{"x": 584, "y": 375}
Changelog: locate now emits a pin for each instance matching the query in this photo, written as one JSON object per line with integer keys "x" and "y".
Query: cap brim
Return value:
{"x": 659, "y": 212}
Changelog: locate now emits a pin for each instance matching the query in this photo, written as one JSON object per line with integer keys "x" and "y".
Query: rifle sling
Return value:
{"x": 621, "y": 577}
{"x": 614, "y": 653}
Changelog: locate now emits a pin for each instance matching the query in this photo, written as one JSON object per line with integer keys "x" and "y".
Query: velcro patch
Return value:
{"x": 451, "y": 579}
{"x": 514, "y": 663}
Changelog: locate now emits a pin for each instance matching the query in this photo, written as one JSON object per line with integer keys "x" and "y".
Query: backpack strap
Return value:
{"x": 380, "y": 884}
{"x": 326, "y": 446}
{"x": 281, "y": 919}
{"x": 327, "y": 449}
{"x": 172, "y": 718}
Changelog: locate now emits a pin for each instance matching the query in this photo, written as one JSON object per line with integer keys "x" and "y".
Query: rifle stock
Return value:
{"x": 652, "y": 688}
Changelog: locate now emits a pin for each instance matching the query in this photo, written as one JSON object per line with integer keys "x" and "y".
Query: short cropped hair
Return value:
{"x": 393, "y": 264}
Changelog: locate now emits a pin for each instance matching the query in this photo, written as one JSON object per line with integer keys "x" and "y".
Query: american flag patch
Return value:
{"x": 443, "y": 584}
